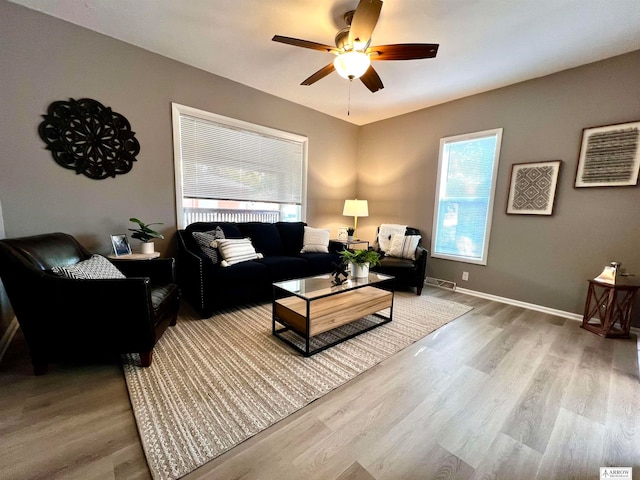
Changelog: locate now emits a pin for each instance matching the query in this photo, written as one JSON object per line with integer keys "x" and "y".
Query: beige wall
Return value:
{"x": 45, "y": 59}
{"x": 536, "y": 259}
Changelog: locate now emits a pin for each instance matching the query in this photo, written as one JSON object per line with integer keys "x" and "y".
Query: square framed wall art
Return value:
{"x": 532, "y": 188}
{"x": 609, "y": 156}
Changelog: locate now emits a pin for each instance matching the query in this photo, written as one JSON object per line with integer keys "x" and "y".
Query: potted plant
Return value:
{"x": 145, "y": 235}
{"x": 350, "y": 232}
{"x": 360, "y": 261}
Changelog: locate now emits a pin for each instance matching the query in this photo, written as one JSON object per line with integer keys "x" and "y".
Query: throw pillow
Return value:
{"x": 404, "y": 246}
{"x": 94, "y": 268}
{"x": 206, "y": 242}
{"x": 315, "y": 240}
{"x": 236, "y": 250}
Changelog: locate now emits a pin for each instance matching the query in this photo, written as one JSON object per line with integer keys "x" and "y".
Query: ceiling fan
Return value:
{"x": 353, "y": 51}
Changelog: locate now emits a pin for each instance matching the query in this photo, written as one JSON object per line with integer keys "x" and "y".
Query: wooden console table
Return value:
{"x": 607, "y": 311}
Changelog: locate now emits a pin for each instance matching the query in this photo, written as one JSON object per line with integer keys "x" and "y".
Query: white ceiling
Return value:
{"x": 484, "y": 44}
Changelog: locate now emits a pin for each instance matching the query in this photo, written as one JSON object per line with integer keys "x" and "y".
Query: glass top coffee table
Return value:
{"x": 310, "y": 314}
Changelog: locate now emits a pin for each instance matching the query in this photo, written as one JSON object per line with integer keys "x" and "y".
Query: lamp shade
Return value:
{"x": 355, "y": 208}
{"x": 351, "y": 64}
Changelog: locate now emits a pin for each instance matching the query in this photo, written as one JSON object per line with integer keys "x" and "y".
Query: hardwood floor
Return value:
{"x": 500, "y": 393}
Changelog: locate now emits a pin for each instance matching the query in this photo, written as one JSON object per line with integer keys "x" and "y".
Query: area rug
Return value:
{"x": 214, "y": 383}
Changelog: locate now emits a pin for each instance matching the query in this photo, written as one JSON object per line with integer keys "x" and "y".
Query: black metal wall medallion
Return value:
{"x": 85, "y": 136}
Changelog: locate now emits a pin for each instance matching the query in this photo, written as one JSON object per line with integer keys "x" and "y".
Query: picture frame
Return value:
{"x": 342, "y": 234}
{"x": 609, "y": 156}
{"x": 120, "y": 245}
{"x": 532, "y": 187}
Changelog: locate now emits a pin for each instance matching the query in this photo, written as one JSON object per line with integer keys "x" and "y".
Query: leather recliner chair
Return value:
{"x": 409, "y": 273}
{"x": 63, "y": 317}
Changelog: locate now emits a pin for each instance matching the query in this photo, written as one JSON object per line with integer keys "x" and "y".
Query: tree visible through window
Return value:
{"x": 467, "y": 169}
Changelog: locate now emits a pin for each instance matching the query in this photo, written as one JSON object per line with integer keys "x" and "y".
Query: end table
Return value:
{"x": 607, "y": 311}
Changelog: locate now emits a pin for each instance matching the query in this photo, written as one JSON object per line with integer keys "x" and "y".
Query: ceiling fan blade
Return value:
{"x": 364, "y": 21}
{"x": 403, "y": 51}
{"x": 296, "y": 42}
{"x": 320, "y": 74}
{"x": 371, "y": 80}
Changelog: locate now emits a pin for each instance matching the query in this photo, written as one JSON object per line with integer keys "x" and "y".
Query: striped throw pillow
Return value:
{"x": 236, "y": 250}
{"x": 403, "y": 246}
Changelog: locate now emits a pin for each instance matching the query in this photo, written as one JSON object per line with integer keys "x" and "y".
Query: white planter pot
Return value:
{"x": 146, "y": 247}
{"x": 360, "y": 271}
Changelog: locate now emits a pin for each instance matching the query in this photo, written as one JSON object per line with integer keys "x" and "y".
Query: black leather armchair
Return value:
{"x": 410, "y": 273}
{"x": 76, "y": 317}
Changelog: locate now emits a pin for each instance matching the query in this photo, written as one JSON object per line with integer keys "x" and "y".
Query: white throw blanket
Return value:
{"x": 386, "y": 232}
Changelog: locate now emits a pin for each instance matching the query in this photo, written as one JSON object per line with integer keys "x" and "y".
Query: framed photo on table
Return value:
{"x": 532, "y": 189}
{"x": 120, "y": 245}
{"x": 609, "y": 156}
{"x": 342, "y": 234}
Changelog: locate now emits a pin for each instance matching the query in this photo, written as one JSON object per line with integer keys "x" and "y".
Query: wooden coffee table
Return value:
{"x": 305, "y": 308}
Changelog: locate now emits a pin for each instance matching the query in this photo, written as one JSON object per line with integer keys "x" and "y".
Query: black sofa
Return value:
{"x": 208, "y": 286}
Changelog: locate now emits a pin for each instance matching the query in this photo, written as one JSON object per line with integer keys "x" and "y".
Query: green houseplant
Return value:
{"x": 360, "y": 261}
{"x": 145, "y": 234}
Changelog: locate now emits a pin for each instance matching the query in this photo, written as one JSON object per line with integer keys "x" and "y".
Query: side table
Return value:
{"x": 607, "y": 311}
{"x": 348, "y": 244}
{"x": 135, "y": 256}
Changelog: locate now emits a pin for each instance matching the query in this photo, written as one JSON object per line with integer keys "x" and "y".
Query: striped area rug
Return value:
{"x": 214, "y": 383}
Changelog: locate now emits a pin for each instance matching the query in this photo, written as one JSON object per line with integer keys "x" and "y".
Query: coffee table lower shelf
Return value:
{"x": 308, "y": 318}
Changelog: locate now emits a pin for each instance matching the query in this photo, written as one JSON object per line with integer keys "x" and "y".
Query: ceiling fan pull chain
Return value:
{"x": 349, "y": 100}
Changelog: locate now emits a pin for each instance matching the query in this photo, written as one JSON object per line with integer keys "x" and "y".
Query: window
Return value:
{"x": 230, "y": 170}
{"x": 467, "y": 170}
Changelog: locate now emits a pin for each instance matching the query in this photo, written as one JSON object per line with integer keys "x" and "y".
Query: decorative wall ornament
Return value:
{"x": 609, "y": 156}
{"x": 85, "y": 136}
{"x": 532, "y": 188}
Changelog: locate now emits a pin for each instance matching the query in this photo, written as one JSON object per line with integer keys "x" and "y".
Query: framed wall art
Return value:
{"x": 532, "y": 188}
{"x": 120, "y": 245}
{"x": 609, "y": 156}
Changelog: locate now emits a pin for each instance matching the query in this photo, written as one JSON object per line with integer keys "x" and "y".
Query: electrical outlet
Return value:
{"x": 465, "y": 276}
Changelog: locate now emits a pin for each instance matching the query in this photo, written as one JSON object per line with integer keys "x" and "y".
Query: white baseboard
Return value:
{"x": 518, "y": 303}
{"x": 8, "y": 336}
{"x": 533, "y": 306}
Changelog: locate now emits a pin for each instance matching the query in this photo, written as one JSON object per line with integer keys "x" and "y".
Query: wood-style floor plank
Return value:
{"x": 500, "y": 393}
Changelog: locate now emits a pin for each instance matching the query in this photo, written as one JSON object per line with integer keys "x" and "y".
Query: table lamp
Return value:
{"x": 355, "y": 208}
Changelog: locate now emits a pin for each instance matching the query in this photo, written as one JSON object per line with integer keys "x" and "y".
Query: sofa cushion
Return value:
{"x": 404, "y": 246}
{"x": 205, "y": 241}
{"x": 315, "y": 240}
{"x": 320, "y": 262}
{"x": 291, "y": 235}
{"x": 284, "y": 268}
{"x": 230, "y": 230}
{"x": 242, "y": 274}
{"x": 264, "y": 236}
{"x": 94, "y": 268}
{"x": 236, "y": 250}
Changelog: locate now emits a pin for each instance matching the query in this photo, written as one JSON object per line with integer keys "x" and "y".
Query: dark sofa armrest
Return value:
{"x": 335, "y": 247}
{"x": 421, "y": 260}
{"x": 159, "y": 270}
{"x": 195, "y": 273}
{"x": 117, "y": 308}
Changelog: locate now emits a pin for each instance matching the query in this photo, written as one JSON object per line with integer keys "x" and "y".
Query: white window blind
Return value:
{"x": 467, "y": 169}
{"x": 230, "y": 163}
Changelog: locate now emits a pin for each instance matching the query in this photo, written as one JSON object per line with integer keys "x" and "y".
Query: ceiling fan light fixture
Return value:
{"x": 351, "y": 64}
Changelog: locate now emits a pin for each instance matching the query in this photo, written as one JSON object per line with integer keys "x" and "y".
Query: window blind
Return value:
{"x": 467, "y": 172}
{"x": 228, "y": 163}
